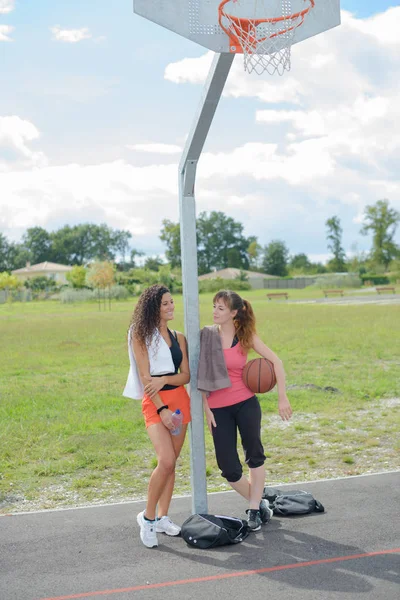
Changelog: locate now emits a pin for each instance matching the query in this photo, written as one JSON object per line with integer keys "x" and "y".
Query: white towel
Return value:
{"x": 160, "y": 360}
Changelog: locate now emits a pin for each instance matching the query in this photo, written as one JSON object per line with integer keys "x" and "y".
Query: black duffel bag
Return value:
{"x": 208, "y": 531}
{"x": 291, "y": 502}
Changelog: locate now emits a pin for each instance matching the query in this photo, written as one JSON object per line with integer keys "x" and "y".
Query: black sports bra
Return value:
{"x": 177, "y": 357}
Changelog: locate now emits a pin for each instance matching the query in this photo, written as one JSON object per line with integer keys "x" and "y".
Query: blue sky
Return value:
{"x": 88, "y": 94}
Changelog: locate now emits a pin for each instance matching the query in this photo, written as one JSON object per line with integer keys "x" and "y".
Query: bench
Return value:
{"x": 276, "y": 295}
{"x": 386, "y": 289}
{"x": 327, "y": 292}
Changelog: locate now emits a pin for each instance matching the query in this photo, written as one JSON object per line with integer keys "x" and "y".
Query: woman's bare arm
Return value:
{"x": 208, "y": 412}
{"x": 143, "y": 365}
{"x": 285, "y": 410}
{"x": 155, "y": 384}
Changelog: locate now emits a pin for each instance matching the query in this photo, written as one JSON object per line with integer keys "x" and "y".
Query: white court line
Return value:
{"x": 123, "y": 503}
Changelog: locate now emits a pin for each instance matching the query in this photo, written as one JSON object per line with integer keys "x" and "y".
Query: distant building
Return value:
{"x": 46, "y": 269}
{"x": 255, "y": 279}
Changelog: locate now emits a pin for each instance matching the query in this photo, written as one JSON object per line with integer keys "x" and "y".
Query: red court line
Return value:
{"x": 150, "y": 586}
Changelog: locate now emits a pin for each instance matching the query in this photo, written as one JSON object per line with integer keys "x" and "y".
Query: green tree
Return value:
{"x": 4, "y": 249}
{"x": 221, "y": 242}
{"x": 394, "y": 270}
{"x": 317, "y": 268}
{"x": 65, "y": 246}
{"x": 40, "y": 283}
{"x": 133, "y": 255}
{"x": 171, "y": 236}
{"x": 103, "y": 243}
{"x": 9, "y": 283}
{"x": 153, "y": 263}
{"x": 275, "y": 259}
{"x": 121, "y": 243}
{"x": 85, "y": 242}
{"x": 17, "y": 256}
{"x": 233, "y": 257}
{"x": 242, "y": 276}
{"x": 334, "y": 237}
{"x": 38, "y": 242}
{"x": 300, "y": 263}
{"x": 77, "y": 277}
{"x": 358, "y": 260}
{"x": 254, "y": 252}
{"x": 382, "y": 222}
{"x": 101, "y": 276}
{"x": 71, "y": 245}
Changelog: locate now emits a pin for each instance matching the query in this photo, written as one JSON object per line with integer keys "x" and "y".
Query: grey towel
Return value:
{"x": 212, "y": 373}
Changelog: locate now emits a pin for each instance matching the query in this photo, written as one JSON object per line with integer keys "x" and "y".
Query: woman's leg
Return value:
{"x": 257, "y": 483}
{"x": 242, "y": 487}
{"x": 166, "y": 495}
{"x": 248, "y": 419}
{"x": 225, "y": 445}
{"x": 166, "y": 456}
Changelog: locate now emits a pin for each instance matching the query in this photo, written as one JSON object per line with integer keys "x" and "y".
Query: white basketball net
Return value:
{"x": 266, "y": 36}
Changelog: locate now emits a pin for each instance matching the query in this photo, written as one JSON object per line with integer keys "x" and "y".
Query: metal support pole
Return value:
{"x": 187, "y": 205}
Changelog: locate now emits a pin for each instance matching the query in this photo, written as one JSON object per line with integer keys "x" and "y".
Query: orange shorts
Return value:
{"x": 175, "y": 399}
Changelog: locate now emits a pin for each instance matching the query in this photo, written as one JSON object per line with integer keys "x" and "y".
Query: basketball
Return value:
{"x": 259, "y": 375}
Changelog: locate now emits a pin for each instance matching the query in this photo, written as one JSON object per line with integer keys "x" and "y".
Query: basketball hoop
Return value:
{"x": 265, "y": 39}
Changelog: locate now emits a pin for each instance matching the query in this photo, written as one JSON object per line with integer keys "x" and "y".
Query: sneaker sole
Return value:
{"x": 256, "y": 528}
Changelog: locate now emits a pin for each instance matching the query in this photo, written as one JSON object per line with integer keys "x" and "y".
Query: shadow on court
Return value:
{"x": 351, "y": 550}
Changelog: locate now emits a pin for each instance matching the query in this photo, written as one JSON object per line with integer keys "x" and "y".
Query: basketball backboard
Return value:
{"x": 199, "y": 20}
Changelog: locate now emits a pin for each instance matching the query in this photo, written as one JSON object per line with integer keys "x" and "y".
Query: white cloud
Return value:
{"x": 15, "y": 134}
{"x": 155, "y": 148}
{"x": 6, "y": 6}
{"x": 383, "y": 27}
{"x": 116, "y": 192}
{"x": 5, "y": 31}
{"x": 71, "y": 36}
{"x": 332, "y": 148}
{"x": 335, "y": 60}
{"x": 338, "y": 130}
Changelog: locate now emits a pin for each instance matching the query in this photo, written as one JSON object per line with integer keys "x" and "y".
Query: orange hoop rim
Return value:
{"x": 245, "y": 23}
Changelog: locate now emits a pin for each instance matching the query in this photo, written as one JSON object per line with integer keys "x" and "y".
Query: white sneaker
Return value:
{"x": 165, "y": 525}
{"x": 147, "y": 531}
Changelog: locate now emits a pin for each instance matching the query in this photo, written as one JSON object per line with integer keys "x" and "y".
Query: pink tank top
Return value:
{"x": 235, "y": 361}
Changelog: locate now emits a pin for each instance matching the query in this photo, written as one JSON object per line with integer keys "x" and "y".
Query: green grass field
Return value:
{"x": 68, "y": 437}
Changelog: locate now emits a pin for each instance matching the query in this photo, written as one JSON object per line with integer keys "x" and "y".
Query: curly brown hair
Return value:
{"x": 146, "y": 316}
{"x": 245, "y": 320}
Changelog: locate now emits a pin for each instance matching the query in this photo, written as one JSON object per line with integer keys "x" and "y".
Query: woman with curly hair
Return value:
{"x": 230, "y": 406}
{"x": 159, "y": 370}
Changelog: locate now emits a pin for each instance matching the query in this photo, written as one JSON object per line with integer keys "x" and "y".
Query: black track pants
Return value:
{"x": 245, "y": 417}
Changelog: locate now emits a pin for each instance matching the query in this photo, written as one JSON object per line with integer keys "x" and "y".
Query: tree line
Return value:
{"x": 221, "y": 243}
{"x": 76, "y": 245}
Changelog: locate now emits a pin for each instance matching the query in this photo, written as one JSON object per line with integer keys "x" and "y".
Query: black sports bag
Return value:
{"x": 291, "y": 502}
{"x": 208, "y": 531}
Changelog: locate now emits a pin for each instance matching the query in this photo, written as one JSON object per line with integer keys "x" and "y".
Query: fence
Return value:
{"x": 15, "y": 296}
{"x": 298, "y": 283}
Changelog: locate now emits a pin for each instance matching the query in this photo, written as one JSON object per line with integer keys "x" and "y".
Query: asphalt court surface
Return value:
{"x": 351, "y": 551}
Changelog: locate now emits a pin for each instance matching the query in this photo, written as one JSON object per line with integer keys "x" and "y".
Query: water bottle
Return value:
{"x": 177, "y": 418}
